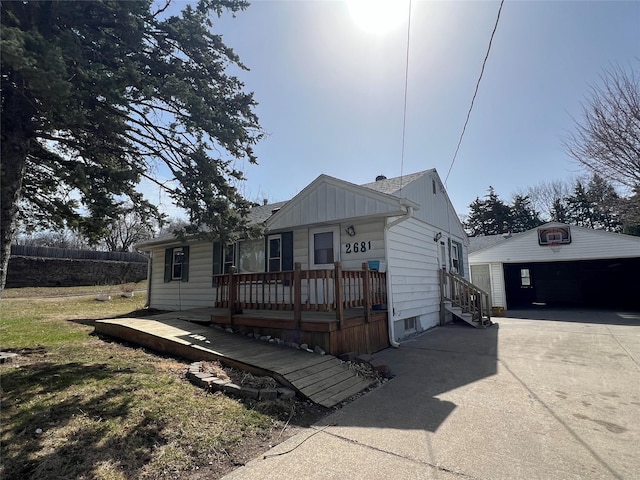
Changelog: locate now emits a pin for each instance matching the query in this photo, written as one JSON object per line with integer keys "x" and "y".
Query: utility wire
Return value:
{"x": 406, "y": 88}
{"x": 473, "y": 99}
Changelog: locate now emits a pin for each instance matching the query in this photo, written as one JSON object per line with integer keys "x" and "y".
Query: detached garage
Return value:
{"x": 558, "y": 265}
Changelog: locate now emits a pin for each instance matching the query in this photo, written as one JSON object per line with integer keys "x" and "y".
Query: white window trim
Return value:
{"x": 174, "y": 263}
{"x": 335, "y": 229}
{"x": 225, "y": 250}
{"x": 269, "y": 238}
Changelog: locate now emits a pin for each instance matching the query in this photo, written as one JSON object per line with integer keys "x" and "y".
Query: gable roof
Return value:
{"x": 319, "y": 202}
{"x": 586, "y": 244}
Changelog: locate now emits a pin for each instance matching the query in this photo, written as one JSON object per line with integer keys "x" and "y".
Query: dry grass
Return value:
{"x": 76, "y": 406}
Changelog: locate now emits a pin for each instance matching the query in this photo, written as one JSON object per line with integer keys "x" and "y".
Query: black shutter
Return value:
{"x": 185, "y": 264}
{"x": 217, "y": 258}
{"x": 168, "y": 258}
{"x": 287, "y": 251}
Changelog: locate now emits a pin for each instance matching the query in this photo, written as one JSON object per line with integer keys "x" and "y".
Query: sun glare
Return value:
{"x": 378, "y": 16}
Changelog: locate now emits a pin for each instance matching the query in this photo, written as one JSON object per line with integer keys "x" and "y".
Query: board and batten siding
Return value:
{"x": 329, "y": 201}
{"x": 412, "y": 259}
{"x": 177, "y": 295}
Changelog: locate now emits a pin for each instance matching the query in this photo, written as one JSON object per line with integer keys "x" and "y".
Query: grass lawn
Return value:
{"x": 77, "y": 406}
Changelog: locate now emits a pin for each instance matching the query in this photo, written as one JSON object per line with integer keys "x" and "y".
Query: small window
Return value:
{"x": 323, "y": 248}
{"x": 433, "y": 185}
{"x": 455, "y": 258}
{"x": 176, "y": 264}
{"x": 525, "y": 278}
{"x": 275, "y": 253}
{"x": 229, "y": 257}
{"x": 410, "y": 324}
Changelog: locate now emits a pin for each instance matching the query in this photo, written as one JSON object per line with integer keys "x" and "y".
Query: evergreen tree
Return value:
{"x": 523, "y": 215}
{"x": 605, "y": 204}
{"x": 490, "y": 216}
{"x": 560, "y": 211}
{"x": 595, "y": 205}
{"x": 97, "y": 95}
{"x": 579, "y": 207}
{"x": 630, "y": 213}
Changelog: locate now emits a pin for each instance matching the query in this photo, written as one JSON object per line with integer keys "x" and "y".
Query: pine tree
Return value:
{"x": 488, "y": 217}
{"x": 523, "y": 215}
{"x": 98, "y": 95}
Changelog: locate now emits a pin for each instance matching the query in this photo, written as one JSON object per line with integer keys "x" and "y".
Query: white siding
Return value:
{"x": 586, "y": 244}
{"x": 435, "y": 209}
{"x": 498, "y": 293}
{"x": 368, "y": 231}
{"x": 176, "y": 295}
{"x": 413, "y": 270}
{"x": 327, "y": 200}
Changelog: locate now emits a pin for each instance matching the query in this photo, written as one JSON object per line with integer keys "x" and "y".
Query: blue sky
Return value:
{"x": 331, "y": 94}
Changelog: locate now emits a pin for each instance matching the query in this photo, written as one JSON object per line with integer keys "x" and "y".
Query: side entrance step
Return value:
{"x": 467, "y": 317}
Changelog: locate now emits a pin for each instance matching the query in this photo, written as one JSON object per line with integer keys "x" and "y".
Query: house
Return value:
{"x": 386, "y": 240}
{"x": 558, "y": 264}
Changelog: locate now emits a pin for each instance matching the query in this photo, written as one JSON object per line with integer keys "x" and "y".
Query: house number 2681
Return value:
{"x": 356, "y": 247}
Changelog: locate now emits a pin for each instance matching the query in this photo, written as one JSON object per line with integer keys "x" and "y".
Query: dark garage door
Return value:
{"x": 591, "y": 283}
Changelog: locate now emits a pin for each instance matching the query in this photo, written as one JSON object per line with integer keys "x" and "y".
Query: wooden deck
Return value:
{"x": 323, "y": 379}
{"x": 355, "y": 333}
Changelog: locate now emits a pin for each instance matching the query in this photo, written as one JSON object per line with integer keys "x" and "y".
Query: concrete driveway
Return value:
{"x": 543, "y": 395}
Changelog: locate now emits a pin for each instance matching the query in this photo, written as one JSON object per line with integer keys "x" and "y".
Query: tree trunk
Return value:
{"x": 14, "y": 147}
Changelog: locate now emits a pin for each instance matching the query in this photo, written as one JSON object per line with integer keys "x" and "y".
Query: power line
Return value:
{"x": 473, "y": 99}
{"x": 406, "y": 88}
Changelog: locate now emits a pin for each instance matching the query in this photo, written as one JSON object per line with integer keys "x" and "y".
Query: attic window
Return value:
{"x": 433, "y": 185}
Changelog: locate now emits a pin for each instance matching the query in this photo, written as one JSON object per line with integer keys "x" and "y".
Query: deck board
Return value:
{"x": 320, "y": 378}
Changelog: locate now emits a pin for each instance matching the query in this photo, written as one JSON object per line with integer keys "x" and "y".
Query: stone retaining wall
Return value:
{"x": 57, "y": 272}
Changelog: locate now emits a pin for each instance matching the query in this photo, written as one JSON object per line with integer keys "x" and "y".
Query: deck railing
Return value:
{"x": 464, "y": 294}
{"x": 302, "y": 290}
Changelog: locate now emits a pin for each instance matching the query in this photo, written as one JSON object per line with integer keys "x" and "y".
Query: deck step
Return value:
{"x": 467, "y": 317}
{"x": 323, "y": 379}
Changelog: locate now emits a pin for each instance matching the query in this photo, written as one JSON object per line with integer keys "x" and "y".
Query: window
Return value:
{"x": 455, "y": 258}
{"x": 525, "y": 278}
{"x": 279, "y": 249}
{"x": 323, "y": 246}
{"x": 176, "y": 264}
{"x": 275, "y": 253}
{"x": 433, "y": 186}
{"x": 410, "y": 324}
{"x": 251, "y": 256}
{"x": 229, "y": 259}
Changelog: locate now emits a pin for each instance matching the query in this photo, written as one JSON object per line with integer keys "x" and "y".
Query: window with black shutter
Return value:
{"x": 176, "y": 264}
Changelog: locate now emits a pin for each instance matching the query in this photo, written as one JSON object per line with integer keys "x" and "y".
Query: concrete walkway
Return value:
{"x": 550, "y": 395}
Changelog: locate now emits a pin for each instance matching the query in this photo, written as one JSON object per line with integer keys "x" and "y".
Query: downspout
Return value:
{"x": 390, "y": 309}
{"x": 149, "y": 276}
